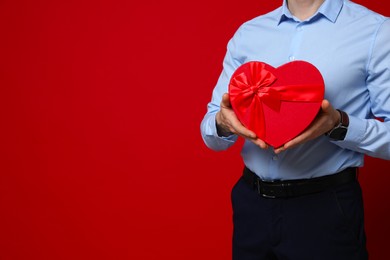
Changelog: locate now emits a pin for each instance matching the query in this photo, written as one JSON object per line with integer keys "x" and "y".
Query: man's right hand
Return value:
{"x": 228, "y": 124}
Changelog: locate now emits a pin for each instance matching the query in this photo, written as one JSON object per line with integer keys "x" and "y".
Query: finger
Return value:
{"x": 279, "y": 149}
{"x": 243, "y": 131}
{"x": 260, "y": 143}
{"x": 226, "y": 100}
{"x": 326, "y": 106}
{"x": 294, "y": 142}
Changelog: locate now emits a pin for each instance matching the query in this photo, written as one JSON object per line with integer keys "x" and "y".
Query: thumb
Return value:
{"x": 326, "y": 106}
{"x": 226, "y": 100}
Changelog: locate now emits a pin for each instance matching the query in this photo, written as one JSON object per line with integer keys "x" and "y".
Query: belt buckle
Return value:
{"x": 259, "y": 190}
{"x": 284, "y": 190}
{"x": 268, "y": 196}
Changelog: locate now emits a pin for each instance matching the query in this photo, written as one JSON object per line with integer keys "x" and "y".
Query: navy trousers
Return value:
{"x": 324, "y": 226}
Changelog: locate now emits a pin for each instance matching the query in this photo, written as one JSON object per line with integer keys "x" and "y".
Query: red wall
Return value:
{"x": 101, "y": 155}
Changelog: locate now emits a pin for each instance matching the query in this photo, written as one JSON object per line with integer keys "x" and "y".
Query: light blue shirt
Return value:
{"x": 350, "y": 45}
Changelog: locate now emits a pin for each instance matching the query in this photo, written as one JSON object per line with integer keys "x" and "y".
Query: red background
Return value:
{"x": 101, "y": 155}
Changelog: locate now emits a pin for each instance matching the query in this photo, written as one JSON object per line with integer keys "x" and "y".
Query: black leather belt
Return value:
{"x": 300, "y": 187}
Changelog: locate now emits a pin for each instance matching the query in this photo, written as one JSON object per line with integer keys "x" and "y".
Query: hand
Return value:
{"x": 326, "y": 119}
{"x": 228, "y": 123}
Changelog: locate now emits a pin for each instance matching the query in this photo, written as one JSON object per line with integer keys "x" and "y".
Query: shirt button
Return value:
{"x": 275, "y": 157}
{"x": 291, "y": 58}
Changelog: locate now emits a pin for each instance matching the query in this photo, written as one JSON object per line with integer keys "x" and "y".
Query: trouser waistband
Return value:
{"x": 300, "y": 187}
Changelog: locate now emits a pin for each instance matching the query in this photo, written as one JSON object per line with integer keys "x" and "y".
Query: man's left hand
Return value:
{"x": 326, "y": 119}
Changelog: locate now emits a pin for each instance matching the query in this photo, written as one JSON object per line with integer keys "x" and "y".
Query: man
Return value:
{"x": 302, "y": 200}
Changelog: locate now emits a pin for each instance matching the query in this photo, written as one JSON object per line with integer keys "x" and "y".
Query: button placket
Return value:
{"x": 296, "y": 41}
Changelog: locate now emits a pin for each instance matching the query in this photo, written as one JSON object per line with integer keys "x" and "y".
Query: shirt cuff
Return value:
{"x": 213, "y": 126}
{"x": 212, "y": 139}
{"x": 356, "y": 130}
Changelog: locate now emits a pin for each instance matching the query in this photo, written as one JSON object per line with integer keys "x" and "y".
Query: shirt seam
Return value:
{"x": 371, "y": 49}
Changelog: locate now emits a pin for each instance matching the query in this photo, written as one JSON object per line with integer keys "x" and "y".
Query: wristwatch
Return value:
{"x": 339, "y": 132}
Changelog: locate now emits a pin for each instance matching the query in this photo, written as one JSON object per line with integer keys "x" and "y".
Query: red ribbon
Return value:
{"x": 250, "y": 91}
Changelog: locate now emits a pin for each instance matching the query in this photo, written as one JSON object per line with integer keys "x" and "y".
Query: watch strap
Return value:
{"x": 344, "y": 118}
{"x": 338, "y": 132}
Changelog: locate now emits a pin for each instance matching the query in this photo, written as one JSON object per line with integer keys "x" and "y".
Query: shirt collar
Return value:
{"x": 329, "y": 9}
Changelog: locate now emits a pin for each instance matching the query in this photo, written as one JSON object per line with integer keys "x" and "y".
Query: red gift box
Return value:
{"x": 276, "y": 103}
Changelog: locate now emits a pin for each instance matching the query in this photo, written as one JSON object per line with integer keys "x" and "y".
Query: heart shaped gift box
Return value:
{"x": 276, "y": 103}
